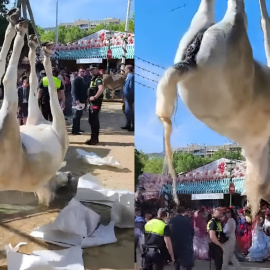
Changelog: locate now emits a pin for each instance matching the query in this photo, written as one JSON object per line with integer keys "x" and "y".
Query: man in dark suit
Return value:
{"x": 128, "y": 93}
{"x": 182, "y": 234}
{"x": 23, "y": 97}
{"x": 80, "y": 97}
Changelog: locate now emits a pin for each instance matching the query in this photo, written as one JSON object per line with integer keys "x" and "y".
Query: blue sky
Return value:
{"x": 159, "y": 26}
{"x": 69, "y": 10}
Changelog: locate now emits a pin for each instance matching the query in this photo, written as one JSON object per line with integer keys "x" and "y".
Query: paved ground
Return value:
{"x": 201, "y": 265}
{"x": 20, "y": 214}
{"x": 205, "y": 265}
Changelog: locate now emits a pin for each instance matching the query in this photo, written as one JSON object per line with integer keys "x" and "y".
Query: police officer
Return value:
{"x": 214, "y": 228}
{"x": 95, "y": 101}
{"x": 44, "y": 97}
{"x": 158, "y": 245}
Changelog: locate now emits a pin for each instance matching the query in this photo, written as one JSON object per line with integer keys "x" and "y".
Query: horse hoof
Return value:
{"x": 47, "y": 48}
{"x": 13, "y": 16}
{"x": 33, "y": 42}
{"x": 22, "y": 25}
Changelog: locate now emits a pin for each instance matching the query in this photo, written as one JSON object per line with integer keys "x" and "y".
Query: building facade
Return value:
{"x": 208, "y": 150}
{"x": 87, "y": 24}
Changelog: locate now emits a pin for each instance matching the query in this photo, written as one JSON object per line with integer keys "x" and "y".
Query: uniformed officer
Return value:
{"x": 44, "y": 97}
{"x": 158, "y": 245}
{"x": 95, "y": 101}
{"x": 214, "y": 228}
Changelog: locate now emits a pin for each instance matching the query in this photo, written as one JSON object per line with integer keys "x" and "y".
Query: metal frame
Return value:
{"x": 24, "y": 6}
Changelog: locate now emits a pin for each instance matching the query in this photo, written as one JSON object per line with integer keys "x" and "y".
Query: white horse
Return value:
{"x": 31, "y": 154}
{"x": 224, "y": 87}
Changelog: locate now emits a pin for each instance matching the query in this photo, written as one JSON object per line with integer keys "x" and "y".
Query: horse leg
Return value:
{"x": 167, "y": 86}
{"x": 12, "y": 17}
{"x": 58, "y": 124}
{"x": 34, "y": 116}
{"x": 202, "y": 20}
{"x": 11, "y": 146}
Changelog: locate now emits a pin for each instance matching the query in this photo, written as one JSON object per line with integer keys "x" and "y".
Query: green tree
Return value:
{"x": 154, "y": 165}
{"x": 3, "y": 20}
{"x": 65, "y": 34}
{"x": 131, "y": 26}
{"x": 184, "y": 162}
{"x": 47, "y": 36}
{"x": 70, "y": 34}
{"x": 227, "y": 154}
{"x": 140, "y": 158}
{"x": 73, "y": 33}
{"x": 3, "y": 27}
{"x": 3, "y": 8}
{"x": 40, "y": 30}
{"x": 98, "y": 28}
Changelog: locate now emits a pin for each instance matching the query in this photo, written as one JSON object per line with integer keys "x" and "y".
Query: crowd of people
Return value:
{"x": 76, "y": 91}
{"x": 223, "y": 235}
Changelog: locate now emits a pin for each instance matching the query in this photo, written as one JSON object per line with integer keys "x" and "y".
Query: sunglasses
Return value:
{"x": 227, "y": 212}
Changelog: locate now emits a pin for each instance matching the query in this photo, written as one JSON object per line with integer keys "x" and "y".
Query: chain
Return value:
{"x": 148, "y": 70}
{"x": 150, "y": 62}
{"x": 145, "y": 85}
{"x": 146, "y": 78}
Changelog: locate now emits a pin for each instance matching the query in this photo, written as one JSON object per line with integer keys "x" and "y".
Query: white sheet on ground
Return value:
{"x": 76, "y": 218}
{"x": 94, "y": 159}
{"x": 122, "y": 212}
{"x": 60, "y": 238}
{"x": 89, "y": 189}
{"x": 74, "y": 224}
{"x": 9, "y": 247}
{"x": 102, "y": 236}
{"x": 70, "y": 258}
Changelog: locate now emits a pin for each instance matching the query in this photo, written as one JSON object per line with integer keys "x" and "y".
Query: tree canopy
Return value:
{"x": 73, "y": 33}
{"x": 3, "y": 20}
{"x": 140, "y": 158}
{"x": 184, "y": 162}
{"x": 3, "y": 7}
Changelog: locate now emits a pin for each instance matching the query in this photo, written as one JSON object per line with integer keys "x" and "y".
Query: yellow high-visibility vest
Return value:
{"x": 57, "y": 82}
{"x": 219, "y": 226}
{"x": 155, "y": 226}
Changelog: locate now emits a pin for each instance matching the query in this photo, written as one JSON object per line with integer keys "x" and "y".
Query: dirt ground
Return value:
{"x": 20, "y": 214}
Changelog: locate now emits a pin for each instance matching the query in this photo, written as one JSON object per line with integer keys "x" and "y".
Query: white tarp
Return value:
{"x": 122, "y": 212}
{"x": 102, "y": 235}
{"x": 76, "y": 217}
{"x": 70, "y": 259}
{"x": 75, "y": 225}
{"x": 94, "y": 159}
{"x": 89, "y": 189}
